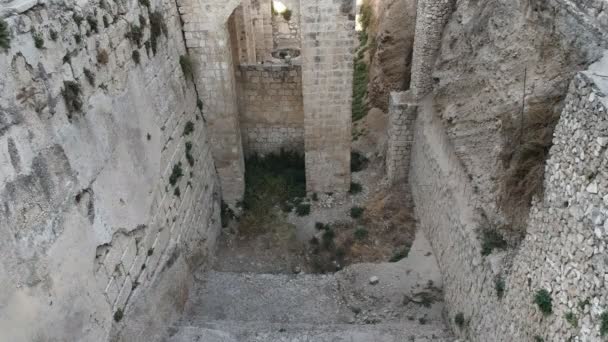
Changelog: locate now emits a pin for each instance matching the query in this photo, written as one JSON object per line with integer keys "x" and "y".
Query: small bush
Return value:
{"x": 102, "y": 56}
{"x": 77, "y": 19}
{"x": 303, "y": 209}
{"x": 499, "y": 285}
{"x": 78, "y": 38}
{"x": 118, "y": 315}
{"x": 188, "y": 128}
{"x": 604, "y": 323}
{"x": 227, "y": 214}
{"x": 361, "y": 233}
{"x": 92, "y": 21}
{"x": 366, "y": 14}
{"x": 459, "y": 320}
{"x": 176, "y": 174}
{"x": 135, "y": 34}
{"x": 321, "y": 226}
{"x": 356, "y": 212}
{"x": 5, "y": 35}
{"x": 315, "y": 197}
{"x": 491, "y": 240}
{"x": 328, "y": 238}
{"x": 90, "y": 76}
{"x": 53, "y": 34}
{"x": 358, "y": 162}
{"x": 106, "y": 21}
{"x": 177, "y": 192}
{"x": 189, "y": 156}
{"x": 71, "y": 94}
{"x": 287, "y": 15}
{"x": 537, "y": 338}
{"x": 135, "y": 56}
{"x": 400, "y": 254}
{"x": 583, "y": 303}
{"x": 199, "y": 104}
{"x": 157, "y": 27}
{"x": 38, "y": 39}
{"x": 543, "y": 301}
{"x": 355, "y": 188}
{"x": 187, "y": 66}
{"x": 572, "y": 319}
{"x": 145, "y": 3}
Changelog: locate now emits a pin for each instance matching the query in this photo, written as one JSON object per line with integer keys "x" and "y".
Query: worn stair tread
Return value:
{"x": 269, "y": 297}
{"x": 235, "y": 331}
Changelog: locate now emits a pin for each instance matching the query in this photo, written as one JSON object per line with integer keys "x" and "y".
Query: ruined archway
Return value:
{"x": 325, "y": 33}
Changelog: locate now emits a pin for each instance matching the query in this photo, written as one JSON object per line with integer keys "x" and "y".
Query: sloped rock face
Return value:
{"x": 93, "y": 115}
{"x": 393, "y": 33}
{"x": 489, "y": 49}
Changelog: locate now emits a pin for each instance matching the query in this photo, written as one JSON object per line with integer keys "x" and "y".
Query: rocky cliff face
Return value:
{"x": 489, "y": 50}
{"x": 392, "y": 40}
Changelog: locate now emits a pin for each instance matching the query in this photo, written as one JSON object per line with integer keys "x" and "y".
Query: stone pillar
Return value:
{"x": 402, "y": 113}
{"x": 328, "y": 39}
{"x": 208, "y": 43}
{"x": 432, "y": 15}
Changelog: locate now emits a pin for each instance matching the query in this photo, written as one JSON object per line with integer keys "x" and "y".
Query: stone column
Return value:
{"x": 432, "y": 15}
{"x": 208, "y": 43}
{"x": 402, "y": 113}
{"x": 328, "y": 39}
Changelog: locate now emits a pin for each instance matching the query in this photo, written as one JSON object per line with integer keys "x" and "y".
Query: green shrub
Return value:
{"x": 355, "y": 188}
{"x": 53, "y": 34}
{"x": 78, "y": 38}
{"x": 189, "y": 156}
{"x": 90, "y": 76}
{"x": 303, "y": 209}
{"x": 358, "y": 162}
{"x": 499, "y": 285}
{"x": 543, "y": 301}
{"x": 5, "y": 35}
{"x": 315, "y": 197}
{"x": 157, "y": 27}
{"x": 227, "y": 214}
{"x": 459, "y": 320}
{"x": 71, "y": 92}
{"x": 321, "y": 226}
{"x": 491, "y": 240}
{"x": 604, "y": 323}
{"x": 176, "y": 174}
{"x": 188, "y": 128}
{"x": 361, "y": 233}
{"x": 360, "y": 82}
{"x": 356, "y": 212}
{"x": 135, "y": 56}
{"x": 145, "y": 3}
{"x": 572, "y": 319}
{"x": 287, "y": 14}
{"x": 118, "y": 315}
{"x": 187, "y": 66}
{"x": 328, "y": 238}
{"x": 135, "y": 34}
{"x": 92, "y": 21}
{"x": 199, "y": 104}
{"x": 177, "y": 192}
{"x": 400, "y": 254}
{"x": 38, "y": 39}
{"x": 366, "y": 14}
{"x": 537, "y": 338}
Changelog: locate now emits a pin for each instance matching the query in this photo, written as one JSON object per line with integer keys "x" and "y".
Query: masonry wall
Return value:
{"x": 564, "y": 249}
{"x": 402, "y": 112}
{"x": 97, "y": 243}
{"x": 286, "y": 33}
{"x": 271, "y": 108}
{"x": 328, "y": 40}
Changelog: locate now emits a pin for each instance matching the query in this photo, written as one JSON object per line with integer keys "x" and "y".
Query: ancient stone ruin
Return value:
{"x": 304, "y": 170}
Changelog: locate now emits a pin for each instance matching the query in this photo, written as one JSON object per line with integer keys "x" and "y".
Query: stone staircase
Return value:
{"x": 404, "y": 305}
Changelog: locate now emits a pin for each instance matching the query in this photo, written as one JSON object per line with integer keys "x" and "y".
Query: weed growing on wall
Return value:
{"x": 187, "y": 66}
{"x": 499, "y": 286}
{"x": 71, "y": 92}
{"x": 189, "y": 156}
{"x": 53, "y": 34}
{"x": 77, "y": 19}
{"x": 356, "y": 212}
{"x": 188, "y": 128}
{"x": 135, "y": 34}
{"x": 92, "y": 21}
{"x": 38, "y": 39}
{"x": 158, "y": 27}
{"x": 491, "y": 240}
{"x": 361, "y": 233}
{"x": 118, "y": 315}
{"x": 303, "y": 209}
{"x": 176, "y": 174}
{"x": 400, "y": 254}
{"x": 355, "y": 188}
{"x": 543, "y": 300}
{"x": 90, "y": 76}
{"x": 366, "y": 14}
{"x": 459, "y": 320}
{"x": 5, "y": 35}
{"x": 572, "y": 319}
{"x": 538, "y": 339}
{"x": 604, "y": 323}
{"x": 358, "y": 162}
{"x": 287, "y": 14}
{"x": 136, "y": 57}
{"x": 360, "y": 82}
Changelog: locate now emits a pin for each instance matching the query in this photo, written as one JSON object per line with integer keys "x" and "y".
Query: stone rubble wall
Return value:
{"x": 98, "y": 244}
{"x": 431, "y": 17}
{"x": 272, "y": 113}
{"x": 328, "y": 42}
{"x": 260, "y": 16}
{"x": 593, "y": 12}
{"x": 565, "y": 246}
{"x": 286, "y": 34}
{"x": 402, "y": 116}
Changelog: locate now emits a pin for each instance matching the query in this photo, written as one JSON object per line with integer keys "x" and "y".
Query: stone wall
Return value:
{"x": 402, "y": 112}
{"x": 94, "y": 129}
{"x": 431, "y": 17}
{"x": 564, "y": 249}
{"x": 286, "y": 33}
{"x": 272, "y": 114}
{"x": 328, "y": 40}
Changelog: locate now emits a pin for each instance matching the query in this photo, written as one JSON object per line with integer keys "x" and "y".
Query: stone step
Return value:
{"x": 231, "y": 331}
{"x": 280, "y": 298}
